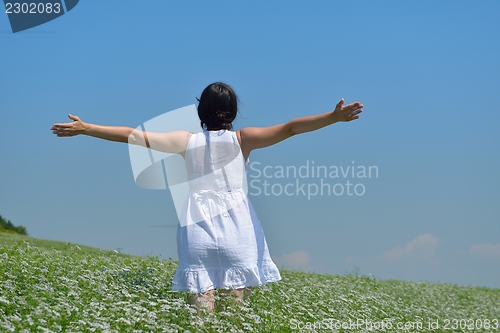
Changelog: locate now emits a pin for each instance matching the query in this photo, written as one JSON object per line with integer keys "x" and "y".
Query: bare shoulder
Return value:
{"x": 238, "y": 136}
{"x": 251, "y": 138}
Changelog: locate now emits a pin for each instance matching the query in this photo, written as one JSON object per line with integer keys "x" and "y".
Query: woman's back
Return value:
{"x": 214, "y": 161}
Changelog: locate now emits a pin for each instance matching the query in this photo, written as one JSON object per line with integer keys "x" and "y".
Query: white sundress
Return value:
{"x": 220, "y": 241}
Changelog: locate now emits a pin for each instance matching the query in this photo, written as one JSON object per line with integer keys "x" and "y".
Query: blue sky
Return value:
{"x": 427, "y": 72}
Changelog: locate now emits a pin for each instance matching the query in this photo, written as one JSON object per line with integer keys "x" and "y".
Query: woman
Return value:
{"x": 221, "y": 245}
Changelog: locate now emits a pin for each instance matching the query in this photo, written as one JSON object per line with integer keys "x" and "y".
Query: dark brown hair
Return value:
{"x": 218, "y": 107}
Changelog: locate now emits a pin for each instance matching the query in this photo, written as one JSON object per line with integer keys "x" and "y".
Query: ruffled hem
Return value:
{"x": 198, "y": 281}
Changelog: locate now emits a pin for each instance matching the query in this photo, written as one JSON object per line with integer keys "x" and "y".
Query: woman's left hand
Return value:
{"x": 348, "y": 112}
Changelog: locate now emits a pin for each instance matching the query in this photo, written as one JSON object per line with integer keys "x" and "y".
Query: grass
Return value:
{"x": 43, "y": 244}
{"x": 48, "y": 286}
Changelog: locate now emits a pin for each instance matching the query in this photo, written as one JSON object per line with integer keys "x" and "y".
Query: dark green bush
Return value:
{"x": 7, "y": 226}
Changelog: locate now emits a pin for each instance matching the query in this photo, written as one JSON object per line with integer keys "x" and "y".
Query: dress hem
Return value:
{"x": 199, "y": 281}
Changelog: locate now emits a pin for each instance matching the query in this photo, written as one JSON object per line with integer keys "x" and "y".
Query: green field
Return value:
{"x": 48, "y": 286}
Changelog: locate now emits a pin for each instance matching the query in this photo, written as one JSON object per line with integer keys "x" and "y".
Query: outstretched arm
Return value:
{"x": 171, "y": 142}
{"x": 253, "y": 138}
{"x": 111, "y": 133}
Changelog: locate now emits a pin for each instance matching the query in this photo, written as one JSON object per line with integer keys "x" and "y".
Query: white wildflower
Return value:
{"x": 3, "y": 299}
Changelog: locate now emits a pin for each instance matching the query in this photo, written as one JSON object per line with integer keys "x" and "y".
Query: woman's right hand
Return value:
{"x": 77, "y": 126}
